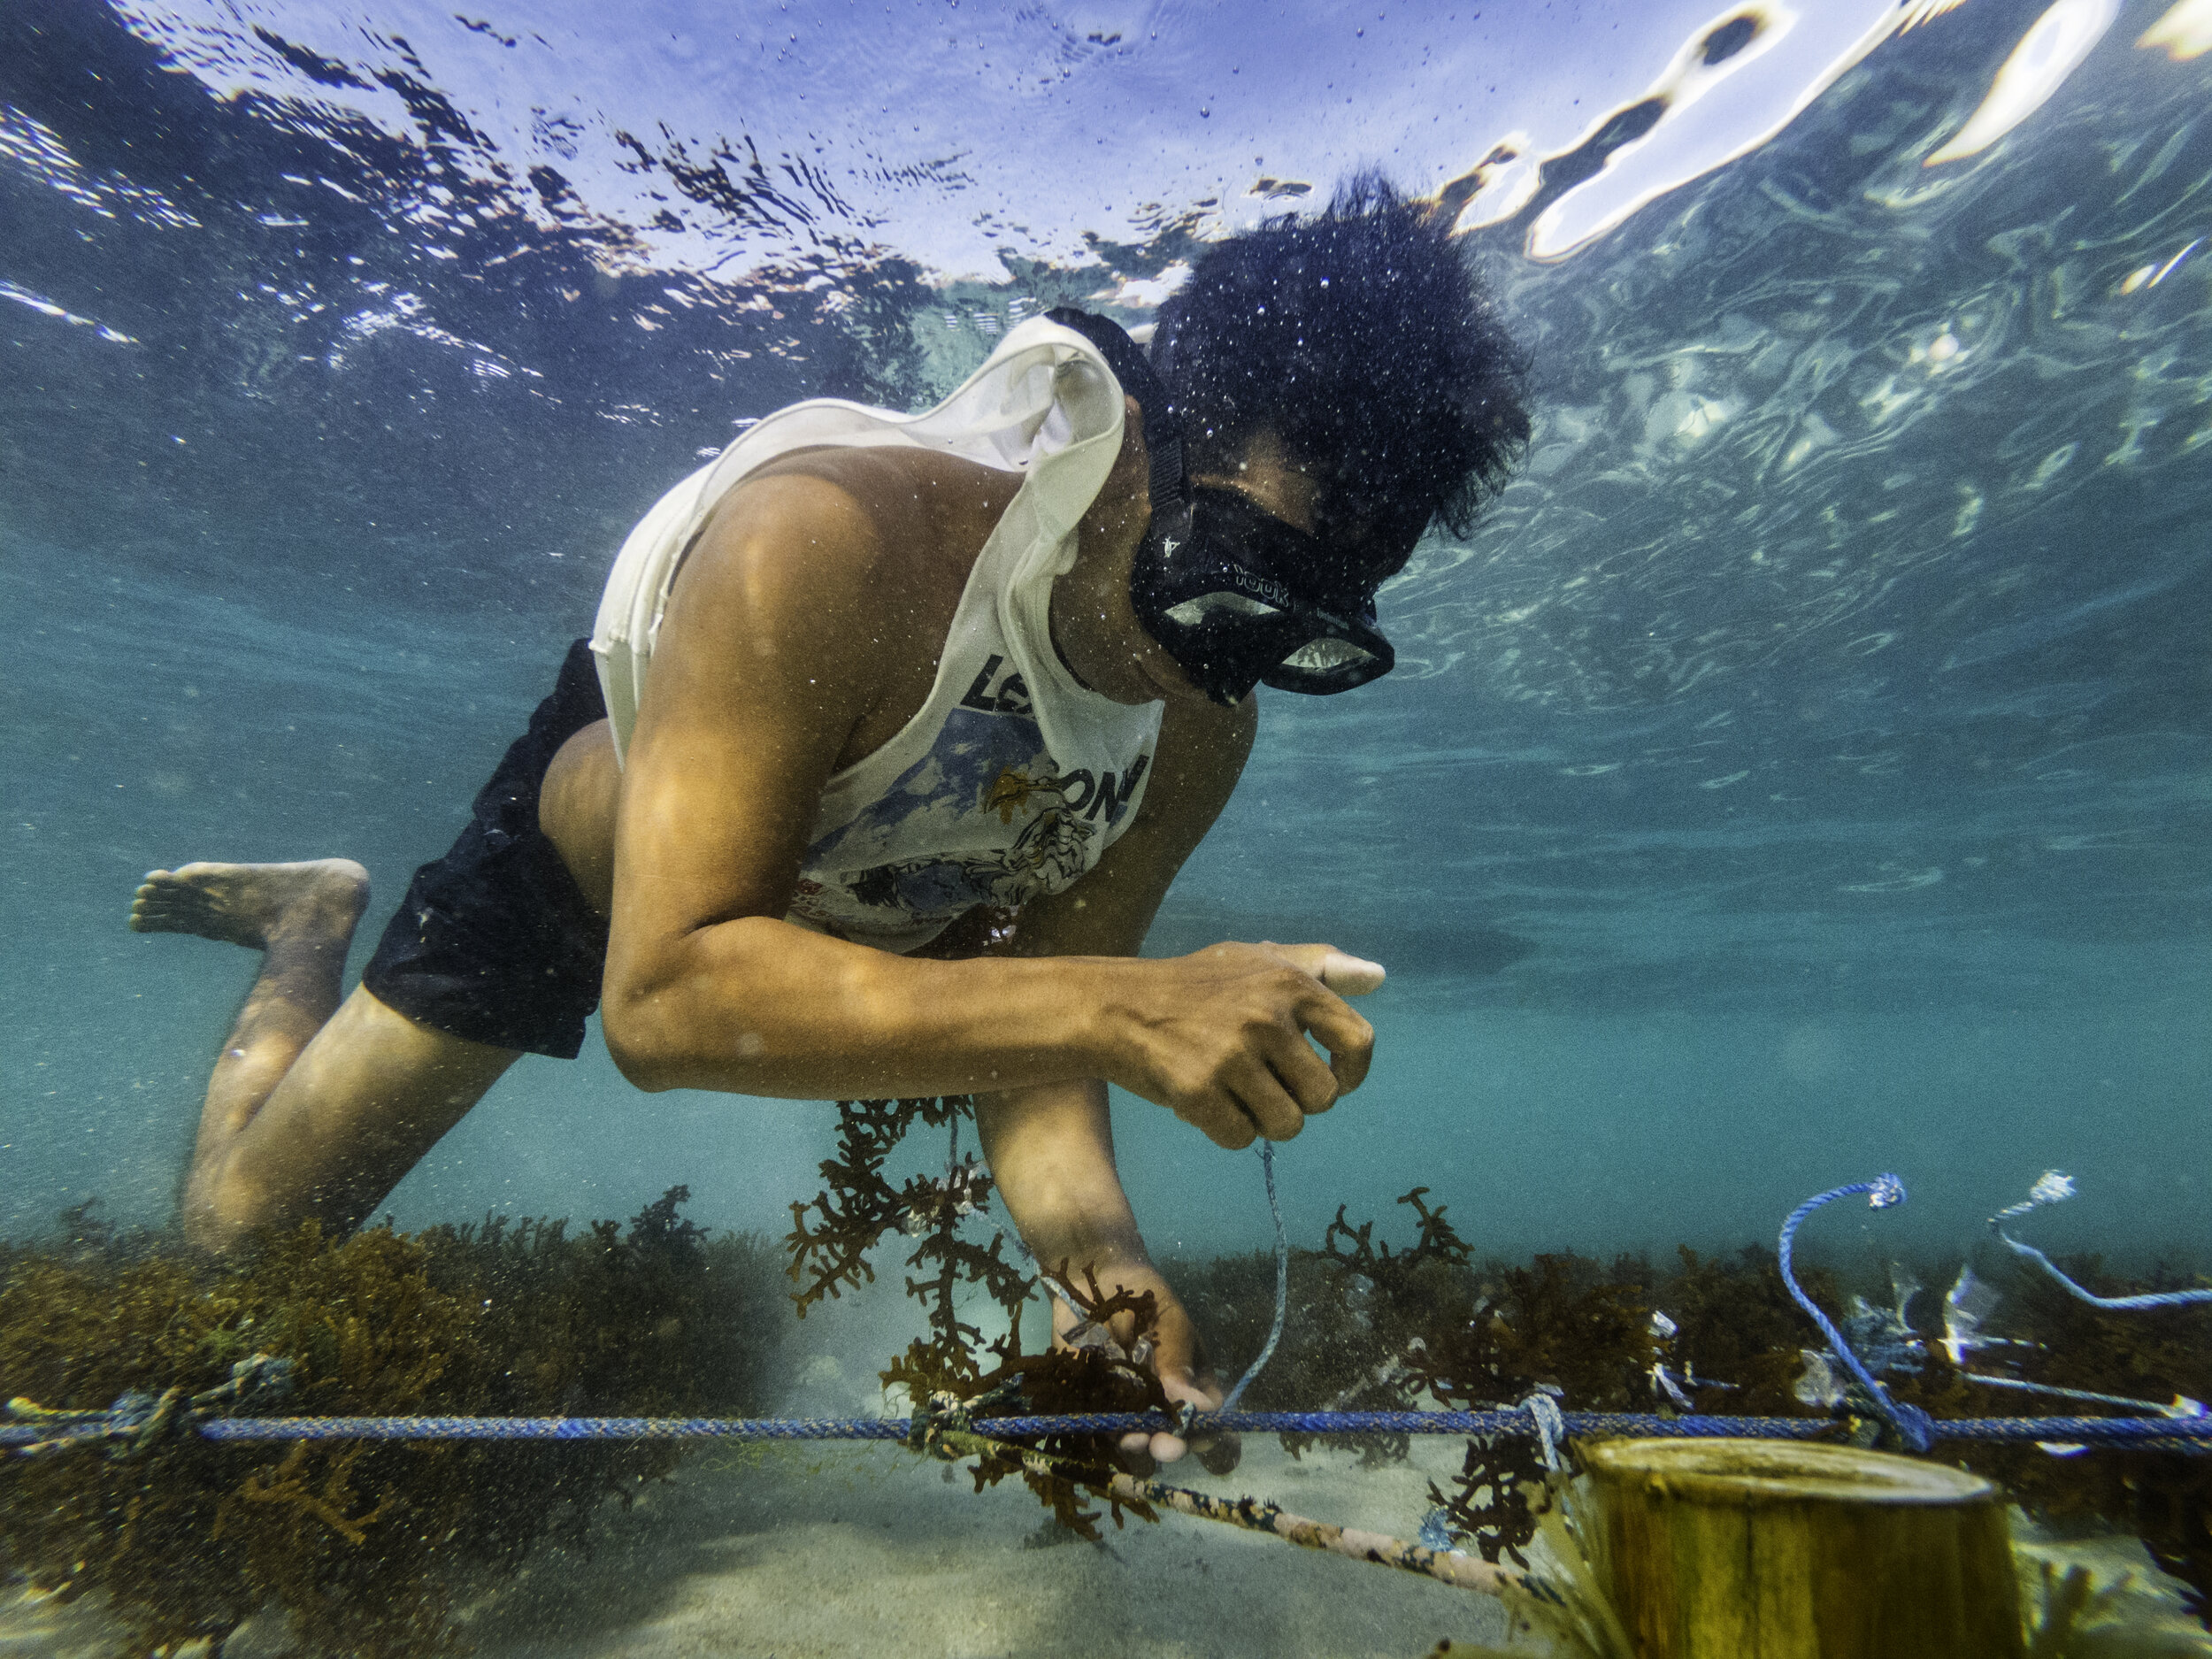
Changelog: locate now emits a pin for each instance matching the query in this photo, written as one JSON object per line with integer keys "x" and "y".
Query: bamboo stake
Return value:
{"x": 1254, "y": 1514}
{"x": 1469, "y": 1572}
{"x": 1751, "y": 1549}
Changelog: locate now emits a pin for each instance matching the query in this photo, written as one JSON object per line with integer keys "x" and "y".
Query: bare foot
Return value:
{"x": 253, "y": 904}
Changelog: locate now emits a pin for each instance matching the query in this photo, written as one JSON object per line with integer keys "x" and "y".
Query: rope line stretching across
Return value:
{"x": 137, "y": 1420}
{"x": 34, "y": 1429}
{"x": 946, "y": 1426}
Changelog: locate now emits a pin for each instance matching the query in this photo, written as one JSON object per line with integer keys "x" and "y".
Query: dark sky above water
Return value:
{"x": 1839, "y": 656}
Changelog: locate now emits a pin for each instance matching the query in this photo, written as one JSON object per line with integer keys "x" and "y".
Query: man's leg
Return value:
{"x": 312, "y": 1109}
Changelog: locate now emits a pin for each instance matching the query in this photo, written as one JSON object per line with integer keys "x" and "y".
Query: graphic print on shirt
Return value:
{"x": 985, "y": 818}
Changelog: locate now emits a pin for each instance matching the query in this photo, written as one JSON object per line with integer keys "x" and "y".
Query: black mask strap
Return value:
{"x": 1162, "y": 432}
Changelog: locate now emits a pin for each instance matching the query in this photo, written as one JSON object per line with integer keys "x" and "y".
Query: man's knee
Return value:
{"x": 218, "y": 1216}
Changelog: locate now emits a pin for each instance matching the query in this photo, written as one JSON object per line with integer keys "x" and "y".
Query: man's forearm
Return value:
{"x": 1051, "y": 1151}
{"x": 760, "y": 1006}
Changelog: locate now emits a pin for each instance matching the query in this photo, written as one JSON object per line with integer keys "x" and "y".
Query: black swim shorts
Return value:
{"x": 495, "y": 941}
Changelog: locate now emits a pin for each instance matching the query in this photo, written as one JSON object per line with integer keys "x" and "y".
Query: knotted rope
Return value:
{"x": 1911, "y": 1424}
{"x": 138, "y": 1420}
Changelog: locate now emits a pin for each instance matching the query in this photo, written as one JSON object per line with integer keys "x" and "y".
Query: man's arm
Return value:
{"x": 770, "y": 657}
{"x": 1050, "y": 1146}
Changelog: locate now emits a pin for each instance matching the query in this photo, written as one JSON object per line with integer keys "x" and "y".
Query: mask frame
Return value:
{"x": 1224, "y": 587}
{"x": 1208, "y": 586}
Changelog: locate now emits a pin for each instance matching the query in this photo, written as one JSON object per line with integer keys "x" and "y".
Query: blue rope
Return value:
{"x": 1282, "y": 1283}
{"x": 2182, "y": 1408}
{"x": 2161, "y": 1433}
{"x": 134, "y": 1415}
{"x": 1914, "y": 1426}
{"x": 2055, "y": 1186}
{"x": 2120, "y": 1305}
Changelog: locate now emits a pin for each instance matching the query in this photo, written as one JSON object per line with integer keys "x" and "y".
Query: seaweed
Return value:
{"x": 1380, "y": 1327}
{"x": 366, "y": 1547}
{"x": 1100, "y": 1367}
{"x": 1374, "y": 1327}
{"x": 1740, "y": 1339}
{"x": 1562, "y": 1327}
{"x": 1093, "y": 1371}
{"x": 1359, "y": 1312}
{"x": 858, "y": 1206}
{"x": 2164, "y": 1497}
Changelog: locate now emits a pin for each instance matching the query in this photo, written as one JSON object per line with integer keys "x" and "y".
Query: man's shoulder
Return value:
{"x": 902, "y": 489}
{"x": 873, "y": 516}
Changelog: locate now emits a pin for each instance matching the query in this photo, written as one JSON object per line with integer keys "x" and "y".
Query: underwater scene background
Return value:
{"x": 1801, "y": 773}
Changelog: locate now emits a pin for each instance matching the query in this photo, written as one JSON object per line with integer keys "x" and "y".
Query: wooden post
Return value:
{"x": 1772, "y": 1549}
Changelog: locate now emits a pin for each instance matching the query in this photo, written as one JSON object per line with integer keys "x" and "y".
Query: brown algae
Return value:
{"x": 364, "y": 1546}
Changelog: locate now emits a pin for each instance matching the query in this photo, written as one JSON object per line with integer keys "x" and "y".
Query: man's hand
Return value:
{"x": 1177, "y": 1359}
{"x": 1219, "y": 1037}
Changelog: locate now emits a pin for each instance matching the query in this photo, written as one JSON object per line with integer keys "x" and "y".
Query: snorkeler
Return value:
{"x": 890, "y": 737}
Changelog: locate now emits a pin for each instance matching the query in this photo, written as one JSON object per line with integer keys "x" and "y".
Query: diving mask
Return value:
{"x": 1229, "y": 591}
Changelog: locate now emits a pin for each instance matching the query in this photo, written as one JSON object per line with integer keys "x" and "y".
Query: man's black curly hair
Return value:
{"x": 1363, "y": 340}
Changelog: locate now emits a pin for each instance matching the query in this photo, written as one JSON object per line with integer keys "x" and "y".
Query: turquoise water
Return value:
{"x": 1801, "y": 773}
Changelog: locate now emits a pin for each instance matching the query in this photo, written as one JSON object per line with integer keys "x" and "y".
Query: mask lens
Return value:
{"x": 1327, "y": 656}
{"x": 1206, "y": 607}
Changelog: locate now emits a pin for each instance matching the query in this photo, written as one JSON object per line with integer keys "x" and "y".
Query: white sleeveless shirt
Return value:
{"x": 1012, "y": 779}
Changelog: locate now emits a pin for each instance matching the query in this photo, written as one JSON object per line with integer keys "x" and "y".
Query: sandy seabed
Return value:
{"x": 826, "y": 1552}
{"x": 838, "y": 1551}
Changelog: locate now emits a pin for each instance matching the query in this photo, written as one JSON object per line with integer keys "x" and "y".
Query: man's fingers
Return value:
{"x": 1350, "y": 1039}
{"x": 1265, "y": 1100}
{"x": 1221, "y": 1119}
{"x": 1302, "y": 1074}
{"x": 1350, "y": 976}
{"x": 1349, "y": 1060}
{"x": 1342, "y": 972}
{"x": 1187, "y": 1382}
{"x": 1232, "y": 1049}
{"x": 1253, "y": 1100}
